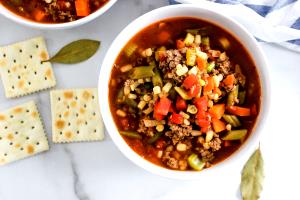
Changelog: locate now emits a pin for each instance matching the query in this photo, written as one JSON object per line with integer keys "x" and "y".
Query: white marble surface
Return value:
{"x": 92, "y": 171}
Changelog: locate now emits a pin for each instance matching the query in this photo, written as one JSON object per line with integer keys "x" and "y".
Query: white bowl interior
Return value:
{"x": 21, "y": 20}
{"x": 178, "y": 11}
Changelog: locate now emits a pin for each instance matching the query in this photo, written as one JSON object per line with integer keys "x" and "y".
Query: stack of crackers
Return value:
{"x": 75, "y": 112}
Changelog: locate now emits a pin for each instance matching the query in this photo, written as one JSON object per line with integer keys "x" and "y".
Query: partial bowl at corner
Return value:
{"x": 54, "y": 26}
{"x": 207, "y": 14}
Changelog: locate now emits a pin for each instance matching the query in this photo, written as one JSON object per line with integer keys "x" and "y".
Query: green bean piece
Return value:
{"x": 195, "y": 163}
{"x": 232, "y": 96}
{"x": 156, "y": 79}
{"x": 242, "y": 97}
{"x": 202, "y": 31}
{"x": 182, "y": 93}
{"x": 172, "y": 94}
{"x": 130, "y": 49}
{"x": 120, "y": 95}
{"x": 141, "y": 72}
{"x": 236, "y": 134}
{"x": 131, "y": 103}
{"x": 154, "y": 138}
{"x": 205, "y": 41}
{"x": 232, "y": 120}
{"x": 210, "y": 67}
{"x": 131, "y": 134}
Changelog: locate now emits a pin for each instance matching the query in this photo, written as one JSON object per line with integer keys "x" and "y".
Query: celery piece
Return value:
{"x": 232, "y": 120}
{"x": 189, "y": 39}
{"x": 232, "y": 96}
{"x": 141, "y": 72}
{"x": 205, "y": 41}
{"x": 242, "y": 97}
{"x": 236, "y": 135}
{"x": 182, "y": 93}
{"x": 195, "y": 163}
{"x": 130, "y": 49}
{"x": 131, "y": 134}
{"x": 210, "y": 67}
{"x": 156, "y": 79}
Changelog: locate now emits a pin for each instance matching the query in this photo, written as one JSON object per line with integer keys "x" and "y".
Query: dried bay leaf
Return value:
{"x": 76, "y": 52}
{"x": 252, "y": 177}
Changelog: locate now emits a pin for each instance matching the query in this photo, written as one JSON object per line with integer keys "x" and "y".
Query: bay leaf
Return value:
{"x": 76, "y": 52}
{"x": 252, "y": 177}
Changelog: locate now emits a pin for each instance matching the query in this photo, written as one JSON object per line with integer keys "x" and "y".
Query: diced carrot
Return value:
{"x": 217, "y": 111}
{"x": 229, "y": 80}
{"x": 201, "y": 63}
{"x": 82, "y": 7}
{"x": 164, "y": 36}
{"x": 39, "y": 15}
{"x": 239, "y": 111}
{"x": 218, "y": 125}
{"x": 180, "y": 44}
{"x": 209, "y": 86}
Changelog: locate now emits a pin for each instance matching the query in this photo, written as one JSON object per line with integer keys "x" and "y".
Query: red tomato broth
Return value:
{"x": 62, "y": 11}
{"x": 175, "y": 27}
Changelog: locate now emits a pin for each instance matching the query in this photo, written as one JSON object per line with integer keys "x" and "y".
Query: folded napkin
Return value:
{"x": 274, "y": 21}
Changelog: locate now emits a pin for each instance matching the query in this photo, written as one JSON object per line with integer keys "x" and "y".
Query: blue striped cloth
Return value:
{"x": 278, "y": 20}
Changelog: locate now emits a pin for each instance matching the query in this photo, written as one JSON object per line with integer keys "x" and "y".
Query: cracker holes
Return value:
{"x": 5, "y": 154}
{"x": 37, "y": 143}
{"x": 11, "y": 143}
{"x": 0, "y": 138}
{"x": 16, "y": 133}
{"x": 94, "y": 113}
{"x": 4, "y": 55}
{"x": 60, "y": 133}
{"x": 35, "y": 73}
{"x": 77, "y": 114}
{"x": 30, "y": 56}
{"x": 37, "y": 46}
{"x": 27, "y": 138}
{"x": 77, "y": 132}
{"x": 29, "y": 83}
{"x": 8, "y": 71}
{"x": 69, "y": 124}
{"x": 22, "y": 122}
{"x": 86, "y": 123}
{"x": 5, "y": 127}
{"x": 33, "y": 127}
{"x": 21, "y": 148}
{"x": 27, "y": 111}
{"x": 58, "y": 98}
{"x": 19, "y": 77}
{"x": 11, "y": 116}
{"x": 59, "y": 116}
{"x": 15, "y": 61}
{"x": 93, "y": 97}
{"x": 25, "y": 67}
{"x": 20, "y": 50}
{"x": 76, "y": 98}
{"x": 13, "y": 87}
{"x": 95, "y": 131}
{"x": 68, "y": 107}
{"x": 46, "y": 78}
{"x": 84, "y": 106}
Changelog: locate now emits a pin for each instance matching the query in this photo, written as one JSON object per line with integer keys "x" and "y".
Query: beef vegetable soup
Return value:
{"x": 184, "y": 93}
{"x": 53, "y": 11}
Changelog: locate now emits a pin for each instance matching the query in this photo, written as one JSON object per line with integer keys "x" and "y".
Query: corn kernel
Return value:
{"x": 160, "y": 127}
{"x": 167, "y": 87}
{"x": 181, "y": 147}
{"x": 209, "y": 136}
{"x": 202, "y": 82}
{"x": 121, "y": 113}
{"x": 141, "y": 104}
{"x": 132, "y": 96}
{"x": 192, "y": 109}
{"x": 186, "y": 122}
{"x": 146, "y": 97}
{"x": 126, "y": 68}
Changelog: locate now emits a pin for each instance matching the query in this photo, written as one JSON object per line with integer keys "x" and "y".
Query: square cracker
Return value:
{"x": 76, "y": 116}
{"x": 21, "y": 133}
{"x": 21, "y": 69}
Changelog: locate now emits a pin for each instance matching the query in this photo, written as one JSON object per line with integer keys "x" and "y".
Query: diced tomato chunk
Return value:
{"x": 201, "y": 63}
{"x": 190, "y": 81}
{"x": 229, "y": 80}
{"x": 164, "y": 36}
{"x": 163, "y": 106}
{"x": 203, "y": 123}
{"x": 194, "y": 90}
{"x": 176, "y": 118}
{"x": 180, "y": 104}
{"x": 217, "y": 111}
{"x": 156, "y": 115}
{"x": 180, "y": 44}
{"x": 201, "y": 103}
{"x": 82, "y": 8}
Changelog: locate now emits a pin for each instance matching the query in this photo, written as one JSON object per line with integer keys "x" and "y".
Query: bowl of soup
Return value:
{"x": 54, "y": 14}
{"x": 185, "y": 91}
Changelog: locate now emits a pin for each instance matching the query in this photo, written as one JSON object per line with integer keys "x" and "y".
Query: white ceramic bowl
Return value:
{"x": 21, "y": 20}
{"x": 176, "y": 11}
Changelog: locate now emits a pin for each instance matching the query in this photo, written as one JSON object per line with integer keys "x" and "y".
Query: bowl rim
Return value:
{"x": 54, "y": 26}
{"x": 246, "y": 149}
